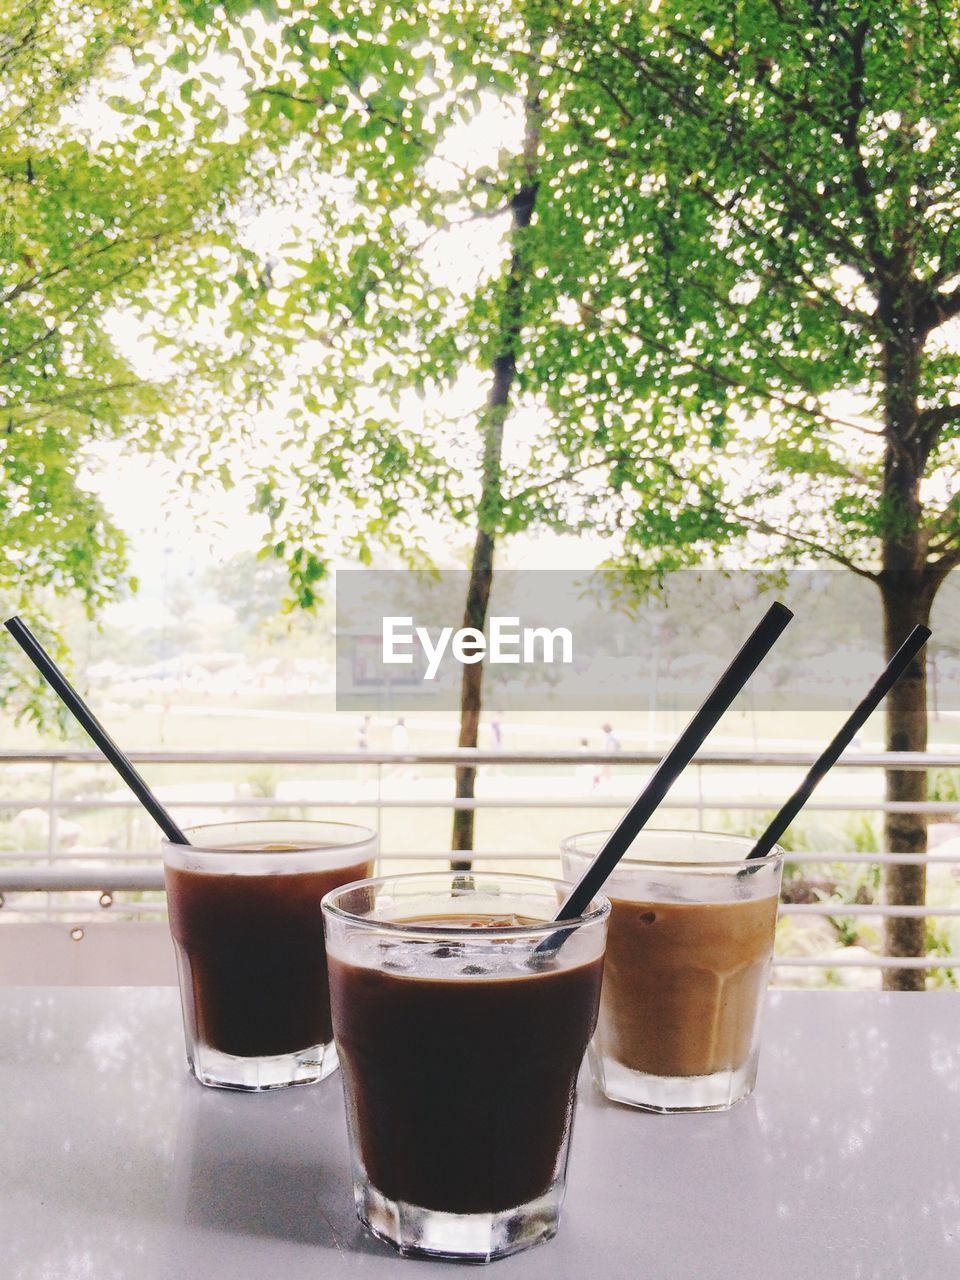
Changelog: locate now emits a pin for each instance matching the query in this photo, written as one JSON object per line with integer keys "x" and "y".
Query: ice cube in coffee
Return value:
{"x": 460, "y": 1047}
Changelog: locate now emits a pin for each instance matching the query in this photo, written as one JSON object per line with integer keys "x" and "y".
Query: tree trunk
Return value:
{"x": 471, "y": 690}
{"x": 491, "y": 496}
{"x": 906, "y": 602}
{"x": 907, "y": 593}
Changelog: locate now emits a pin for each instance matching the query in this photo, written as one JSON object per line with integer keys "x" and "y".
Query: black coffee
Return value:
{"x": 252, "y": 950}
{"x": 461, "y": 1089}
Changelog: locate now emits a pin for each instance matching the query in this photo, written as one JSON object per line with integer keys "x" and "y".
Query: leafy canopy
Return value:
{"x": 739, "y": 207}
{"x": 120, "y": 184}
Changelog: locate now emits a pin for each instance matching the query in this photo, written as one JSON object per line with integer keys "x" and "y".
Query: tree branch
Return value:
{"x": 932, "y": 421}
{"x": 763, "y": 342}
{"x": 90, "y": 391}
{"x": 763, "y": 526}
{"x": 737, "y": 516}
{"x": 946, "y": 43}
{"x": 850, "y": 137}
{"x": 729, "y": 210}
{"x": 803, "y": 106}
{"x": 938, "y": 569}
{"x": 937, "y": 310}
{"x": 86, "y": 299}
{"x": 725, "y": 379}
{"x": 806, "y": 208}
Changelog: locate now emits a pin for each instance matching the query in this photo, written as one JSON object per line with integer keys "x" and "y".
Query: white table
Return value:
{"x": 844, "y": 1165}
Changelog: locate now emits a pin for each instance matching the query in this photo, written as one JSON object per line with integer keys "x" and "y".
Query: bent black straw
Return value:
{"x": 894, "y": 669}
{"x": 68, "y": 695}
{"x": 756, "y": 648}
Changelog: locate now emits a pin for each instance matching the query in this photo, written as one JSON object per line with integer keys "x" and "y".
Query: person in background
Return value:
{"x": 399, "y": 737}
{"x": 364, "y": 770}
{"x": 611, "y": 745}
{"x": 586, "y": 772}
{"x": 495, "y": 739}
{"x": 400, "y": 744}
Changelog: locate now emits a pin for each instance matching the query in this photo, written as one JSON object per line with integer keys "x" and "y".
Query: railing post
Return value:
{"x": 380, "y": 805}
{"x": 53, "y": 825}
{"x": 700, "y": 796}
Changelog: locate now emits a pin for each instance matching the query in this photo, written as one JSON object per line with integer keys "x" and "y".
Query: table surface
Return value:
{"x": 845, "y": 1163}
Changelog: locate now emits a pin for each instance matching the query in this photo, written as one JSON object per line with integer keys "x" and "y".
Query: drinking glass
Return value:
{"x": 689, "y": 950}
{"x": 461, "y": 1016}
{"x": 243, "y": 901}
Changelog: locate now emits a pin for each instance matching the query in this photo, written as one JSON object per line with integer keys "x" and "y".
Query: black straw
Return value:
{"x": 894, "y": 669}
{"x": 756, "y": 648}
{"x": 68, "y": 695}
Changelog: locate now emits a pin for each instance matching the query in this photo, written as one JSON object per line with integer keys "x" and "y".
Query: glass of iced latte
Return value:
{"x": 689, "y": 948}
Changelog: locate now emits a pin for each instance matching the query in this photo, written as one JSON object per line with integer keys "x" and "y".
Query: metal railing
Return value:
{"x": 51, "y": 883}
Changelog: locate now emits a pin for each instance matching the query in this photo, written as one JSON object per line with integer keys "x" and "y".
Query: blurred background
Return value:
{"x": 292, "y": 288}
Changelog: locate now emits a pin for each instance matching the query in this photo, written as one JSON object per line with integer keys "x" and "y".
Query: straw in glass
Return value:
{"x": 68, "y": 695}
{"x": 752, "y": 653}
{"x": 894, "y": 669}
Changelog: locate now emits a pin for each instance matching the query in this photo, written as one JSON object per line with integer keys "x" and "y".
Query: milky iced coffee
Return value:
{"x": 689, "y": 948}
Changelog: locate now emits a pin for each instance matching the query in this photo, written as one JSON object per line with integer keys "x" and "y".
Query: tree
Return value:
{"x": 739, "y": 275}
{"x": 514, "y": 289}
{"x": 761, "y": 246}
{"x": 368, "y": 101}
{"x": 114, "y": 214}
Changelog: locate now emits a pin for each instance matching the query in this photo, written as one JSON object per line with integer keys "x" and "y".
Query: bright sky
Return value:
{"x": 171, "y": 534}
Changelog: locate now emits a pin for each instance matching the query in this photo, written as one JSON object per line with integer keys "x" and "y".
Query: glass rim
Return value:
{"x": 362, "y": 836}
{"x": 775, "y": 854}
{"x": 598, "y": 908}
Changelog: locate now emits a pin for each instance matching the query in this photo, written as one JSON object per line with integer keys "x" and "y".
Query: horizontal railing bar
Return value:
{"x": 98, "y": 915}
{"x": 866, "y": 962}
{"x": 57, "y": 876}
{"x": 154, "y": 908}
{"x": 59, "y": 868}
{"x": 158, "y": 907}
{"x": 786, "y": 909}
{"x": 108, "y": 880}
{"x": 874, "y": 859}
{"x": 139, "y": 879}
{"x": 491, "y": 802}
{"x": 65, "y": 858}
{"x": 851, "y": 759}
{"x": 885, "y": 910}
{"x": 91, "y": 910}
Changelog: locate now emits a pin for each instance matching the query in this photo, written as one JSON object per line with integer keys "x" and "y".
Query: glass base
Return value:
{"x": 226, "y": 1071}
{"x": 463, "y": 1237}
{"x": 716, "y": 1092}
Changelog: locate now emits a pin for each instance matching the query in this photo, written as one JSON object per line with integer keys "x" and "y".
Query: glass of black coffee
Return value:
{"x": 460, "y": 1026}
{"x": 243, "y": 900}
